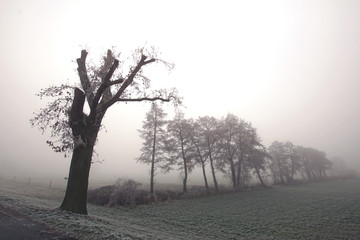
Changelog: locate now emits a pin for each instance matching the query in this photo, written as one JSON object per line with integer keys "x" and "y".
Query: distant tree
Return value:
{"x": 154, "y": 135}
{"x": 340, "y": 168}
{"x": 208, "y": 134}
{"x": 201, "y": 154}
{"x": 314, "y": 162}
{"x": 76, "y": 132}
{"x": 257, "y": 161}
{"x": 284, "y": 163}
{"x": 179, "y": 145}
{"x": 306, "y": 166}
{"x": 246, "y": 140}
{"x": 229, "y": 146}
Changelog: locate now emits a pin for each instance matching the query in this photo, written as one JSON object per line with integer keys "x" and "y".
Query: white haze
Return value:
{"x": 289, "y": 67}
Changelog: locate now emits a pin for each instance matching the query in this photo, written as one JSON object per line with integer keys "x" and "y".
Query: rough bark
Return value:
{"x": 77, "y": 186}
{"x": 84, "y": 140}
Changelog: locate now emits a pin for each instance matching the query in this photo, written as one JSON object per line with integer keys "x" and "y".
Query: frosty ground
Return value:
{"x": 322, "y": 210}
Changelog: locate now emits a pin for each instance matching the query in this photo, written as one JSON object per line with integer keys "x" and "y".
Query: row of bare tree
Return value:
{"x": 286, "y": 160}
{"x": 230, "y": 145}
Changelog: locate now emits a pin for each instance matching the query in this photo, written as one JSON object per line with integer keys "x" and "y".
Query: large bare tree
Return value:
{"x": 101, "y": 87}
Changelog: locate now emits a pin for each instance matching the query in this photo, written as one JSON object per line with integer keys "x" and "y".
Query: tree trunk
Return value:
{"x": 260, "y": 178}
{"x": 204, "y": 174}
{"x": 77, "y": 185}
{"x": 153, "y": 165}
{"x": 185, "y": 167}
{"x": 233, "y": 173}
{"x": 84, "y": 132}
{"x": 280, "y": 171}
{"x": 185, "y": 177}
{"x": 202, "y": 165}
{"x": 213, "y": 172}
{"x": 238, "y": 177}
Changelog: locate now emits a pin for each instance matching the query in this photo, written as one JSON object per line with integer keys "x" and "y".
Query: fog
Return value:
{"x": 289, "y": 67}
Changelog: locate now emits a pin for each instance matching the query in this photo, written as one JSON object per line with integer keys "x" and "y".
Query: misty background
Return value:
{"x": 289, "y": 67}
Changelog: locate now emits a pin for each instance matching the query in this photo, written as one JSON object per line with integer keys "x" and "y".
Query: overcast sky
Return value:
{"x": 292, "y": 68}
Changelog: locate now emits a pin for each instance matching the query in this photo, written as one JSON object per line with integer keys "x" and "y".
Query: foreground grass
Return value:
{"x": 323, "y": 210}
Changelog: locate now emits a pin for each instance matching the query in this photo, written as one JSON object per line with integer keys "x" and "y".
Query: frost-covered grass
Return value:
{"x": 323, "y": 210}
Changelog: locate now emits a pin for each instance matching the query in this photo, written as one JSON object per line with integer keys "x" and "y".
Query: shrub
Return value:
{"x": 100, "y": 196}
{"x": 125, "y": 193}
{"x": 165, "y": 196}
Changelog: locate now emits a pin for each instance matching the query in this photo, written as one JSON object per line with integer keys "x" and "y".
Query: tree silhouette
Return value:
{"x": 101, "y": 87}
{"x": 154, "y": 135}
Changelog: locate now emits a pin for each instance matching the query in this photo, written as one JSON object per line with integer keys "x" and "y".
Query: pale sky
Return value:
{"x": 292, "y": 68}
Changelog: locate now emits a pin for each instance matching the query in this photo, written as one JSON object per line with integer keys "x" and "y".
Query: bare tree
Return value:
{"x": 76, "y": 131}
{"x": 257, "y": 160}
{"x": 314, "y": 163}
{"x": 179, "y": 145}
{"x": 284, "y": 162}
{"x": 201, "y": 153}
{"x": 229, "y": 146}
{"x": 154, "y": 135}
{"x": 246, "y": 139}
{"x": 240, "y": 150}
{"x": 209, "y": 129}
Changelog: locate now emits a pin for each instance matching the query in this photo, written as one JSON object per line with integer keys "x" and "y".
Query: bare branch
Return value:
{"x": 128, "y": 81}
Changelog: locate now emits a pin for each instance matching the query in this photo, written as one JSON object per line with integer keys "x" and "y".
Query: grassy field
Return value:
{"x": 323, "y": 210}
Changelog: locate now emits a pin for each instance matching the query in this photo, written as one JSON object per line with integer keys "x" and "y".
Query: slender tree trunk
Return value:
{"x": 204, "y": 174}
{"x": 280, "y": 171}
{"x": 185, "y": 167}
{"x": 233, "y": 173}
{"x": 292, "y": 170}
{"x": 185, "y": 177}
{"x": 238, "y": 177}
{"x": 213, "y": 172}
{"x": 307, "y": 171}
{"x": 202, "y": 165}
{"x": 260, "y": 178}
{"x": 313, "y": 174}
{"x": 77, "y": 185}
{"x": 153, "y": 164}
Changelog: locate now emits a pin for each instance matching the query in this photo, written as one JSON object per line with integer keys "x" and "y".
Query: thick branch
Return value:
{"x": 108, "y": 63}
{"x": 129, "y": 80}
{"x": 104, "y": 85}
{"x": 149, "y": 61}
{"x": 143, "y": 99}
{"x": 111, "y": 70}
{"x": 84, "y": 79}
